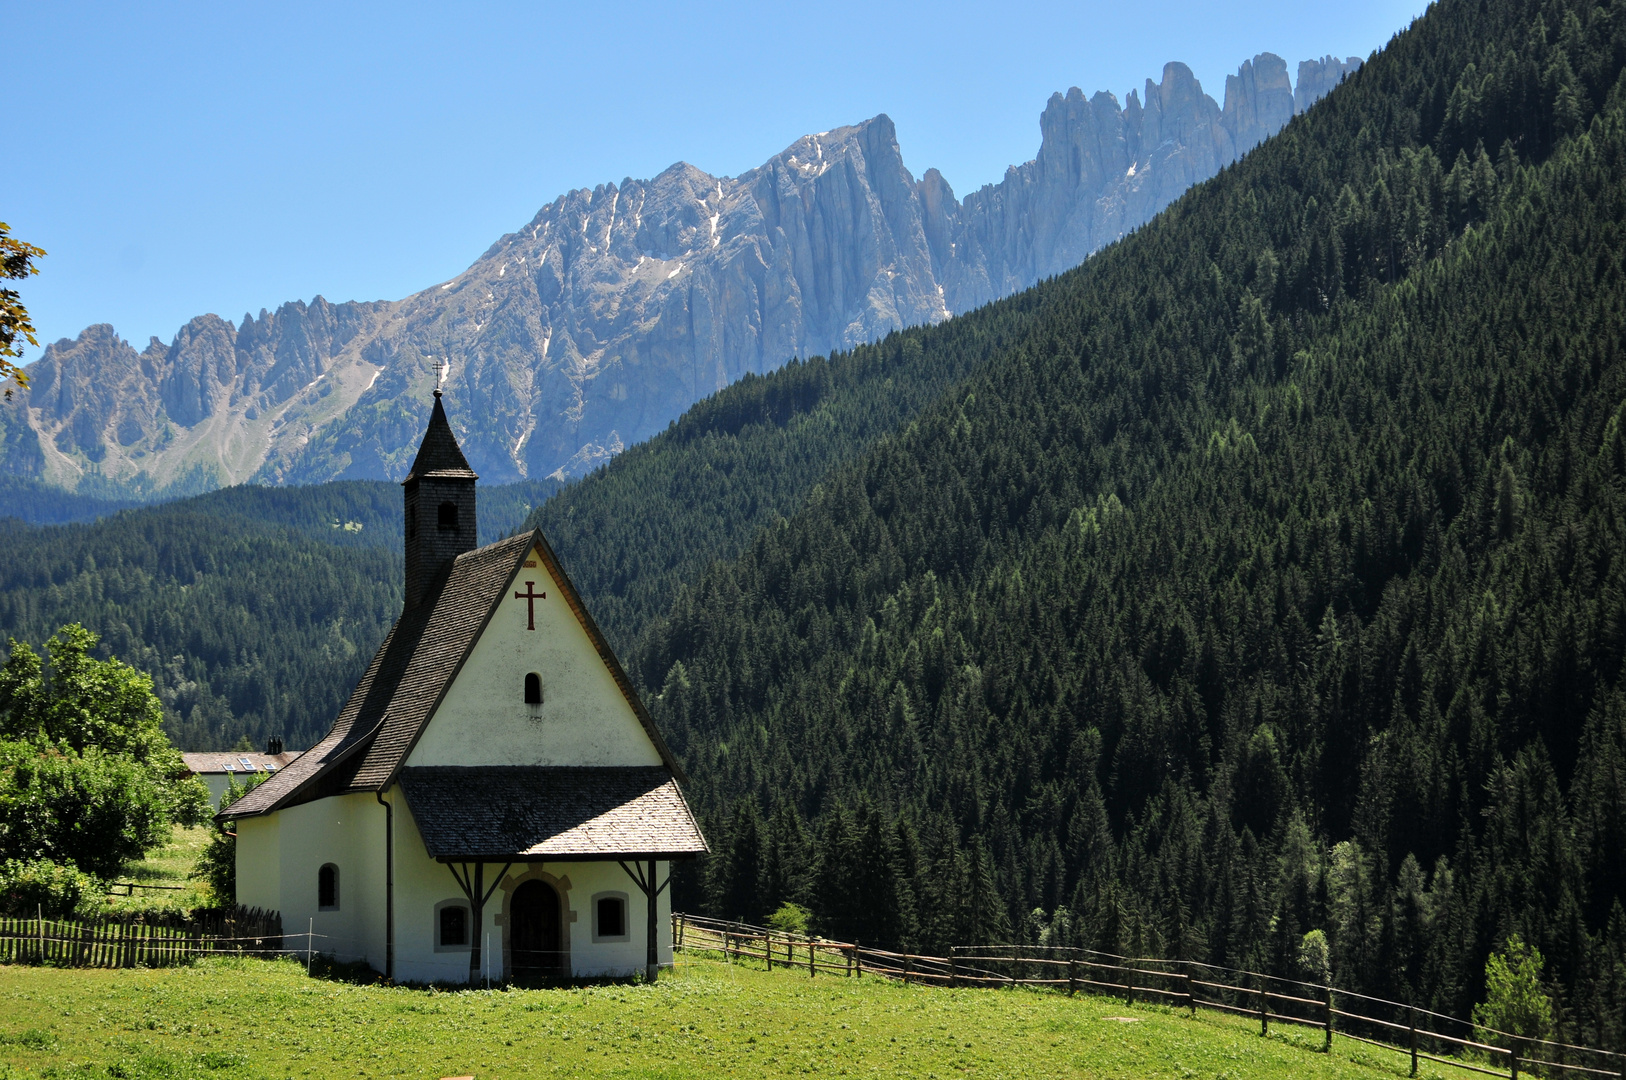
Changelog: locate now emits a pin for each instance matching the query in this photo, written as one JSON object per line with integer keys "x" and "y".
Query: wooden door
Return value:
{"x": 535, "y": 941}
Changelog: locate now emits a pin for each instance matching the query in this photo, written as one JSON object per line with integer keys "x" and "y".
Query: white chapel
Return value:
{"x": 494, "y": 800}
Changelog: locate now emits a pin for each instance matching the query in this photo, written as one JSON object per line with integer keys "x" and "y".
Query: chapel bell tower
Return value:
{"x": 439, "y": 506}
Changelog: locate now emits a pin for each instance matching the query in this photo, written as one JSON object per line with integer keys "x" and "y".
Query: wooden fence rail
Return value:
{"x": 114, "y": 942}
{"x": 1391, "y": 1025}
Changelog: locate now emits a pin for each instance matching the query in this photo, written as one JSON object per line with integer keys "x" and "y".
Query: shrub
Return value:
{"x": 217, "y": 865}
{"x": 1315, "y": 959}
{"x": 1514, "y": 1001}
{"x": 790, "y": 919}
{"x": 87, "y": 776}
{"x": 91, "y": 809}
{"x": 55, "y": 890}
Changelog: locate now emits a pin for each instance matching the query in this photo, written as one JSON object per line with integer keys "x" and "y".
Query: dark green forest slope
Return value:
{"x": 1272, "y": 581}
{"x": 652, "y": 521}
{"x": 254, "y": 609}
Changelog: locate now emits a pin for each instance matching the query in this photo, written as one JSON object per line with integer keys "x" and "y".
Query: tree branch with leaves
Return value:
{"x": 16, "y": 262}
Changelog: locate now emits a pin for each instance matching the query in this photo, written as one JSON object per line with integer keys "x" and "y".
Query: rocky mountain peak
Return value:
{"x": 1258, "y": 101}
{"x": 617, "y": 306}
{"x": 1318, "y": 78}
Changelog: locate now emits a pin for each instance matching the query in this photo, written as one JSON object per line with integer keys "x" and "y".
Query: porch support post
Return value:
{"x": 477, "y": 921}
{"x": 646, "y": 882}
{"x": 474, "y": 888}
{"x": 654, "y": 957}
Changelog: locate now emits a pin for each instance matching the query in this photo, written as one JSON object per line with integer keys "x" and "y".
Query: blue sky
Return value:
{"x": 179, "y": 158}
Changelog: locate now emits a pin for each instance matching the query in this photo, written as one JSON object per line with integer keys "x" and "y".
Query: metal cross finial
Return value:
{"x": 444, "y": 370}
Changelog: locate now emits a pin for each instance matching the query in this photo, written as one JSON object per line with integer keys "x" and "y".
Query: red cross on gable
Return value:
{"x": 530, "y": 596}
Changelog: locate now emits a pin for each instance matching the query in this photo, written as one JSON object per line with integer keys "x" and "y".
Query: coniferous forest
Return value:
{"x": 255, "y": 610}
{"x": 1271, "y": 580}
{"x": 1264, "y": 575}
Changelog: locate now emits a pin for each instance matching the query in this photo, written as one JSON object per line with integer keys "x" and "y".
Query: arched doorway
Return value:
{"x": 535, "y": 944}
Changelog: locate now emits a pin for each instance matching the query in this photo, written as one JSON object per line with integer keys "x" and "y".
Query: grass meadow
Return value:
{"x": 227, "y": 1018}
{"x": 169, "y": 866}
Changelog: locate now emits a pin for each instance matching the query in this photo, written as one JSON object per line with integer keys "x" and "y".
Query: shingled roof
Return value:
{"x": 413, "y": 669}
{"x": 502, "y": 812}
{"x": 439, "y": 454}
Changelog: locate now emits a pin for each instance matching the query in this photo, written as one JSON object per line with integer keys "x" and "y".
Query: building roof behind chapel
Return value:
{"x": 233, "y": 761}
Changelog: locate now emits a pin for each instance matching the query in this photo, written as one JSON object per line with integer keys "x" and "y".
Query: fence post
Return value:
{"x": 1129, "y": 985}
{"x": 1264, "y": 1010}
{"x": 1326, "y": 1047}
{"x": 1513, "y": 1056}
{"x": 1072, "y": 975}
{"x": 767, "y": 949}
{"x": 1191, "y": 998}
{"x": 952, "y": 973}
{"x": 858, "y": 961}
{"x": 1411, "y": 1014}
{"x": 906, "y": 959}
{"x": 811, "y": 970}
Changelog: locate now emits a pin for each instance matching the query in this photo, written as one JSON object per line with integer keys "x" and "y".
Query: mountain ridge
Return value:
{"x": 614, "y": 308}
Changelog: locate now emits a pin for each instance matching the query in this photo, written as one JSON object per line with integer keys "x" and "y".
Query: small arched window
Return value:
{"x": 533, "y": 689}
{"x": 446, "y": 517}
{"x": 327, "y": 888}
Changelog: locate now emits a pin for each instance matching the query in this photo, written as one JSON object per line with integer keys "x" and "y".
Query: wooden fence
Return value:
{"x": 1183, "y": 984}
{"x": 116, "y": 942}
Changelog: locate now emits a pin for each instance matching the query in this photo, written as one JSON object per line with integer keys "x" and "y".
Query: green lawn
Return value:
{"x": 251, "y": 1018}
{"x": 169, "y": 865}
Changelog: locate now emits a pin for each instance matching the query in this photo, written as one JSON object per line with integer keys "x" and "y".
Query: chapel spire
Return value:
{"x": 440, "y": 520}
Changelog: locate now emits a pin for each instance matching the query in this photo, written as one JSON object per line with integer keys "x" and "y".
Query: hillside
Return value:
{"x": 601, "y": 319}
{"x": 1268, "y": 581}
{"x": 706, "y": 1019}
{"x": 254, "y": 609}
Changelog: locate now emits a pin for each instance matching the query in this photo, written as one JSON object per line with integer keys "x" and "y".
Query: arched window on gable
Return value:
{"x": 327, "y": 888}
{"x": 446, "y": 517}
{"x": 533, "y": 688}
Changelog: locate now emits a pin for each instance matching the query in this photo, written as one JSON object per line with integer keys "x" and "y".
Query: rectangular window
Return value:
{"x": 611, "y": 917}
{"x": 454, "y": 926}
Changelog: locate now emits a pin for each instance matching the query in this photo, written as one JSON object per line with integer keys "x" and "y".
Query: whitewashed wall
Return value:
{"x": 345, "y": 830}
{"x": 584, "y": 718}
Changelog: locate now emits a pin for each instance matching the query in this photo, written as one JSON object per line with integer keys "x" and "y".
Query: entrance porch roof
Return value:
{"x": 507, "y": 813}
